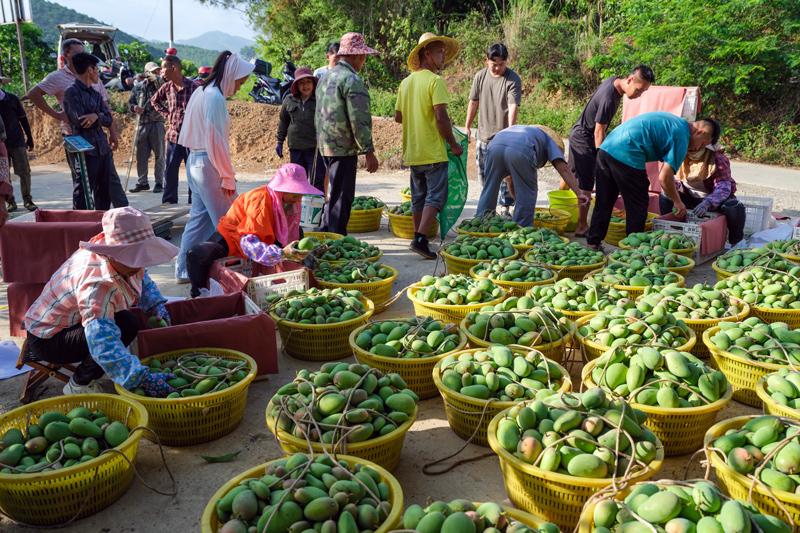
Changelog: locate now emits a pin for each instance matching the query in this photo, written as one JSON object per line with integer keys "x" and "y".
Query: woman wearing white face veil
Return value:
{"x": 205, "y": 132}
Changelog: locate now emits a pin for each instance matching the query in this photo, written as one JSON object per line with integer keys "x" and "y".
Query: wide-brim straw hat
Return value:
{"x": 451, "y": 48}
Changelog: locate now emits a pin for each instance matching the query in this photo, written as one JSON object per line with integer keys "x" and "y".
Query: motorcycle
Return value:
{"x": 269, "y": 90}
{"x": 117, "y": 76}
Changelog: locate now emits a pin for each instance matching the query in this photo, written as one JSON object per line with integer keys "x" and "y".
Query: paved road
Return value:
{"x": 774, "y": 177}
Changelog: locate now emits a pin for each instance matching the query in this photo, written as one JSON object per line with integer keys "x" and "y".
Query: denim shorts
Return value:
{"x": 428, "y": 186}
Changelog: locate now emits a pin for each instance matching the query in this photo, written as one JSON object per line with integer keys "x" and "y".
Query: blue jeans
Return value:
{"x": 209, "y": 204}
{"x": 504, "y": 198}
{"x": 175, "y": 155}
{"x": 502, "y": 161}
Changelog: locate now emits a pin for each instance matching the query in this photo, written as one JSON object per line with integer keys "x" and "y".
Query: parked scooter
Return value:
{"x": 269, "y": 90}
{"x": 116, "y": 75}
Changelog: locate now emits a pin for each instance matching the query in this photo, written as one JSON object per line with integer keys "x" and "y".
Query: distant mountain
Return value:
{"x": 218, "y": 40}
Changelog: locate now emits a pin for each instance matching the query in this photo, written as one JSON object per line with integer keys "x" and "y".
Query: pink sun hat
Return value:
{"x": 128, "y": 238}
{"x": 291, "y": 178}
{"x": 352, "y": 44}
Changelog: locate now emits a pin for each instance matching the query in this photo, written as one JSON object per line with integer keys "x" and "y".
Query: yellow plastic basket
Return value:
{"x": 417, "y": 373}
{"x": 683, "y": 270}
{"x": 373, "y": 259}
{"x": 320, "y": 342}
{"x": 593, "y": 349}
{"x": 467, "y": 415}
{"x": 576, "y": 272}
{"x": 196, "y": 419}
{"x": 319, "y": 235}
{"x": 447, "y": 313}
{"x": 364, "y": 220}
{"x": 742, "y": 374}
{"x": 405, "y": 197}
{"x": 679, "y": 430}
{"x": 768, "y": 314}
{"x": 558, "y": 224}
{"x": 522, "y": 248}
{"x": 478, "y": 233}
{"x": 552, "y": 350}
{"x": 617, "y": 230}
{"x": 633, "y": 292}
{"x": 558, "y": 498}
{"x": 210, "y": 524}
{"x": 457, "y": 265}
{"x": 738, "y": 486}
{"x": 378, "y": 291}
{"x": 384, "y": 450}
{"x": 514, "y": 288}
{"x": 699, "y": 326}
{"x": 771, "y": 406}
{"x": 686, "y": 252}
{"x": 721, "y": 274}
{"x": 402, "y": 226}
{"x": 55, "y": 497}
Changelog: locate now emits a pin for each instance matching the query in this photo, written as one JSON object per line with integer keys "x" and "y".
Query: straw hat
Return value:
{"x": 552, "y": 134}
{"x": 451, "y": 48}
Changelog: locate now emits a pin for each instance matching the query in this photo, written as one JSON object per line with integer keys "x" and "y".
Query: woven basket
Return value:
{"x": 417, "y": 373}
{"x": 633, "y": 291}
{"x": 319, "y": 235}
{"x": 373, "y": 259}
{"x": 525, "y": 247}
{"x": 402, "y": 226}
{"x": 469, "y": 416}
{"x": 364, "y": 220}
{"x": 768, "y": 314}
{"x": 558, "y": 498}
{"x": 446, "y": 313}
{"x": 593, "y": 350}
{"x": 378, "y": 291}
{"x": 196, "y": 419}
{"x": 576, "y": 272}
{"x": 210, "y": 524}
{"x": 699, "y": 326}
{"x": 679, "y": 430}
{"x": 405, "y": 197}
{"x": 617, "y": 230}
{"x": 771, "y": 406}
{"x": 514, "y": 288}
{"x": 686, "y": 252}
{"x": 559, "y": 224}
{"x": 552, "y": 350}
{"x": 721, "y": 274}
{"x": 55, "y": 497}
{"x": 384, "y": 450}
{"x": 478, "y": 233}
{"x": 742, "y": 374}
{"x": 738, "y": 486}
{"x": 458, "y": 265}
{"x": 320, "y": 342}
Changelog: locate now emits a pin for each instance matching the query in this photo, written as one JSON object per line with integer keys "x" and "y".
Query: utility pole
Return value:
{"x": 23, "y": 63}
{"x": 171, "y": 32}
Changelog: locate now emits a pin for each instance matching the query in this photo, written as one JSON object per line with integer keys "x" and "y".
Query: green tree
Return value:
{"x": 40, "y": 57}
{"x": 136, "y": 54}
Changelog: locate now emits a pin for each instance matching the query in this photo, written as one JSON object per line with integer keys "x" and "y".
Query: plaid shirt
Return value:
{"x": 171, "y": 102}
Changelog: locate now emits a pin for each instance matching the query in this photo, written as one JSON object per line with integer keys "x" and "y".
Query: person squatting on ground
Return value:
{"x": 205, "y": 133}
{"x": 591, "y": 129}
{"x": 704, "y": 183}
{"x": 422, "y": 110}
{"x": 297, "y": 126}
{"x": 150, "y": 134}
{"x": 518, "y": 151}
{"x": 495, "y": 97}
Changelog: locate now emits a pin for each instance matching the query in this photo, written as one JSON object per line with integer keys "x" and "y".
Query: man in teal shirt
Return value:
{"x": 621, "y": 170}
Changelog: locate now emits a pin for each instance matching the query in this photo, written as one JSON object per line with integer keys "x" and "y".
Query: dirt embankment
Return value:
{"x": 253, "y": 128}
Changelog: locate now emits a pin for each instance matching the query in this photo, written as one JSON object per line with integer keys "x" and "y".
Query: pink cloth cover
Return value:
{"x": 68, "y": 215}
{"x": 713, "y": 233}
{"x": 20, "y": 297}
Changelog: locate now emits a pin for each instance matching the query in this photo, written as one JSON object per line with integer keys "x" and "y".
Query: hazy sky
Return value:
{"x": 150, "y": 18}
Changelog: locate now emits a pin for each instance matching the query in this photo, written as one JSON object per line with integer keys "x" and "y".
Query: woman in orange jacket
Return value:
{"x": 257, "y": 226}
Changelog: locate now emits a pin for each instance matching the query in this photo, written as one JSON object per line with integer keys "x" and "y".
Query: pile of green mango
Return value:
{"x": 783, "y": 386}
{"x": 570, "y": 295}
{"x": 738, "y": 260}
{"x": 531, "y": 236}
{"x": 764, "y": 287}
{"x": 564, "y": 254}
{"x": 790, "y": 246}
{"x": 352, "y": 272}
{"x": 756, "y": 340}
{"x": 198, "y": 373}
{"x": 403, "y": 209}
{"x": 666, "y": 240}
{"x": 463, "y": 516}
{"x": 306, "y": 244}
{"x": 408, "y": 339}
{"x": 746, "y": 449}
{"x": 57, "y": 440}
{"x": 320, "y": 306}
{"x": 305, "y": 493}
{"x": 546, "y": 216}
{"x": 457, "y": 289}
{"x": 469, "y": 247}
{"x": 362, "y": 203}
{"x": 635, "y": 274}
{"x": 628, "y": 327}
{"x": 513, "y": 270}
{"x": 517, "y": 321}
{"x": 490, "y": 223}
{"x": 699, "y": 302}
{"x": 347, "y": 249}
{"x": 645, "y": 255}
{"x": 346, "y": 402}
{"x": 500, "y": 373}
{"x": 659, "y": 377}
{"x": 681, "y": 507}
{"x": 577, "y": 434}
{"x": 406, "y": 190}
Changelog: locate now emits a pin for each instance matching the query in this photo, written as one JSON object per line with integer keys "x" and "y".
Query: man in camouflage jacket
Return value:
{"x": 344, "y": 129}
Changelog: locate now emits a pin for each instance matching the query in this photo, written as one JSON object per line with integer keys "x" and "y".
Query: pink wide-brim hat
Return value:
{"x": 291, "y": 178}
{"x": 352, "y": 44}
{"x": 302, "y": 73}
{"x": 128, "y": 238}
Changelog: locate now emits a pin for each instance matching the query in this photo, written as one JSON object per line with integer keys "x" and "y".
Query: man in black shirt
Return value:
{"x": 592, "y": 127}
{"x": 18, "y": 144}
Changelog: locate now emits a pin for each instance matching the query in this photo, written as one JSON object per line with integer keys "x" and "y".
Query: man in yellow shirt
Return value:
{"x": 422, "y": 110}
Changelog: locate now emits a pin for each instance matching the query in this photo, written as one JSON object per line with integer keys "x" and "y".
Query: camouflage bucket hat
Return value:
{"x": 352, "y": 44}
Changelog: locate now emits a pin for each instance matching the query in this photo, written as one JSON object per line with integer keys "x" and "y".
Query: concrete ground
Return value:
{"x": 429, "y": 439}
